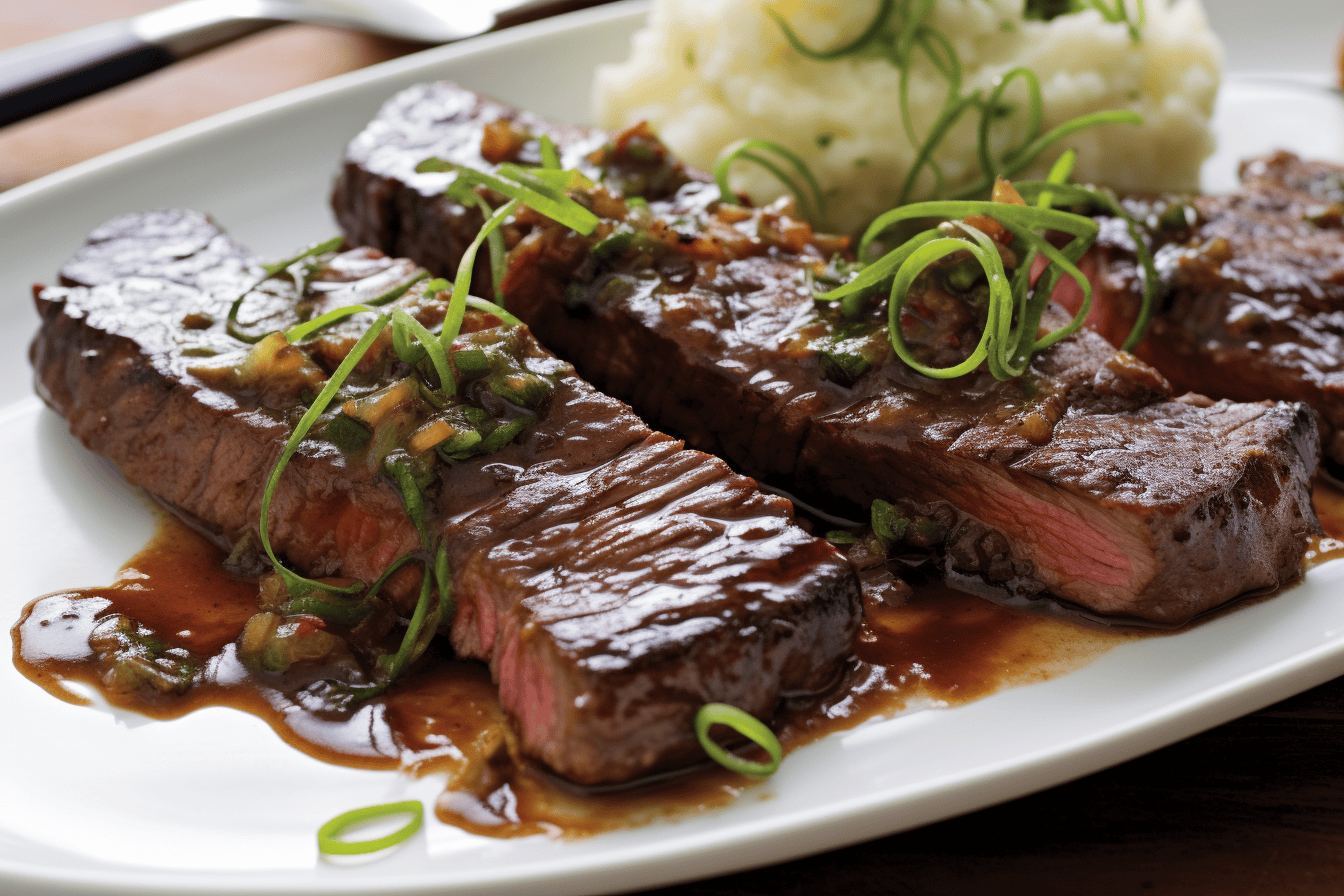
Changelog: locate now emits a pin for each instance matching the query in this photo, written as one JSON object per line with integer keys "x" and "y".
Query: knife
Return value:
{"x": 44, "y": 75}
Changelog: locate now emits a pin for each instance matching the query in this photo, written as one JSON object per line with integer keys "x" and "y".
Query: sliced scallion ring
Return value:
{"x": 748, "y": 726}
{"x": 329, "y": 840}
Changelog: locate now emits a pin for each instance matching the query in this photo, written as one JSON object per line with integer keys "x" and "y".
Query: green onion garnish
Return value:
{"x": 405, "y": 329}
{"x": 812, "y": 198}
{"x": 413, "y": 343}
{"x": 457, "y": 305}
{"x": 1040, "y": 9}
{"x": 865, "y": 37}
{"x": 1035, "y": 143}
{"x": 544, "y": 190}
{"x": 314, "y": 251}
{"x": 300, "y": 332}
{"x": 898, "y": 42}
{"x": 540, "y": 188}
{"x": 1015, "y": 307}
{"x": 425, "y": 621}
{"x": 492, "y": 308}
{"x": 550, "y": 156}
{"x": 299, "y": 585}
{"x": 464, "y": 192}
{"x": 329, "y": 840}
{"x": 744, "y": 724}
{"x": 1071, "y": 194}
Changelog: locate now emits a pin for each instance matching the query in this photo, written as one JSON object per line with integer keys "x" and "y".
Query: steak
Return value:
{"x": 614, "y": 580}
{"x": 1088, "y": 478}
{"x": 1252, "y": 286}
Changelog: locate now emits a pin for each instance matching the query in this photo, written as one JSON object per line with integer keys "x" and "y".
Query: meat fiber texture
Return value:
{"x": 614, "y": 580}
{"x": 1252, "y": 303}
{"x": 1087, "y": 479}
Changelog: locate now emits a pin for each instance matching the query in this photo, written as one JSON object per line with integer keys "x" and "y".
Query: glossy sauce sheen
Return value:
{"x": 942, "y": 647}
{"x": 706, "y": 326}
{"x": 597, "y": 564}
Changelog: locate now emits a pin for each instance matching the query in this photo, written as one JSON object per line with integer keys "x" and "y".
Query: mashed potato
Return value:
{"x": 707, "y": 72}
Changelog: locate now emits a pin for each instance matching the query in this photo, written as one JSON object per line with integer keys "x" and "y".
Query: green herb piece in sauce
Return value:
{"x": 346, "y": 434}
{"x": 887, "y": 522}
{"x": 330, "y": 837}
{"x": 744, "y": 724}
{"x": 133, "y": 657}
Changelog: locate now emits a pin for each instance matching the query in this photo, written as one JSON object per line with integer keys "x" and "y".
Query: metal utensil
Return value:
{"x": 43, "y": 75}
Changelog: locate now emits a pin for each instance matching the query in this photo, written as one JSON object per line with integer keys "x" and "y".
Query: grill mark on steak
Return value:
{"x": 614, "y": 580}
{"x": 1253, "y": 290}
{"x": 1085, "y": 478}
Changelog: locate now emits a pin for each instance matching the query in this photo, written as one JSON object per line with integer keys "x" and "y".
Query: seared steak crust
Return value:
{"x": 1253, "y": 290}
{"x": 1085, "y": 478}
{"x": 614, "y": 580}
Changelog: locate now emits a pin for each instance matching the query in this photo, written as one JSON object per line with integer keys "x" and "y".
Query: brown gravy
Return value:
{"x": 1327, "y": 498}
{"x": 940, "y": 648}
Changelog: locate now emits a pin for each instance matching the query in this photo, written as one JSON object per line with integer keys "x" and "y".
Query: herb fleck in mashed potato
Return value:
{"x": 707, "y": 72}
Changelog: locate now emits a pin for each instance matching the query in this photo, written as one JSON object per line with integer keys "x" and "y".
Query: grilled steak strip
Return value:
{"x": 1253, "y": 288}
{"x": 614, "y": 580}
{"x": 1085, "y": 478}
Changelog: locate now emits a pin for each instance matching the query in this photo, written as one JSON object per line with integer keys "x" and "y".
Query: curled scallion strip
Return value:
{"x": 462, "y": 191}
{"x": 271, "y": 270}
{"x": 1015, "y": 306}
{"x": 545, "y": 190}
{"x": 1015, "y": 160}
{"x": 947, "y": 118}
{"x": 434, "y": 604}
{"x": 315, "y": 249}
{"x": 865, "y": 37}
{"x": 300, "y": 332}
{"x": 898, "y": 46}
{"x": 1119, "y": 13}
{"x": 811, "y": 198}
{"x": 329, "y": 836}
{"x": 1059, "y": 174}
{"x": 1071, "y": 194}
{"x": 748, "y": 726}
{"x": 399, "y": 290}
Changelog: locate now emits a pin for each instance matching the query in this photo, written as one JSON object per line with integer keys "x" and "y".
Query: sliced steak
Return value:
{"x": 614, "y": 580}
{"x": 1252, "y": 288}
{"x": 381, "y": 201}
{"x": 1084, "y": 478}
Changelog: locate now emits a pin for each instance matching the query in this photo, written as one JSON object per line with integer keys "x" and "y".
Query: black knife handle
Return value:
{"x": 41, "y": 76}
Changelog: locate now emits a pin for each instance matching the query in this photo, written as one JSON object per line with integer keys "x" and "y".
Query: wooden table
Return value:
{"x": 1253, "y": 808}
